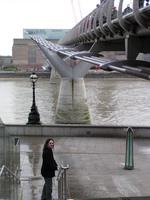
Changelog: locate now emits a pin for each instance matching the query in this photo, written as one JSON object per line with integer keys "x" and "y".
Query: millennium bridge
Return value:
{"x": 114, "y": 25}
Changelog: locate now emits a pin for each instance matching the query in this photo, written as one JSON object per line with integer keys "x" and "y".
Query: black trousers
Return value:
{"x": 47, "y": 189}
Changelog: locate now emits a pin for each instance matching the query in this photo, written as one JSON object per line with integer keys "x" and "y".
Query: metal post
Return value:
{"x": 59, "y": 189}
{"x": 65, "y": 185}
{"x": 33, "y": 94}
{"x": 129, "y": 163}
{"x": 62, "y": 187}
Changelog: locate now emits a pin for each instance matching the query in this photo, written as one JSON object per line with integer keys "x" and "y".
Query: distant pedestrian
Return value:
{"x": 49, "y": 166}
{"x": 127, "y": 10}
{"x": 114, "y": 13}
{"x": 141, "y": 3}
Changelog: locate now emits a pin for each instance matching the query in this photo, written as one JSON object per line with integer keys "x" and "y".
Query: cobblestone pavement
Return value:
{"x": 96, "y": 167}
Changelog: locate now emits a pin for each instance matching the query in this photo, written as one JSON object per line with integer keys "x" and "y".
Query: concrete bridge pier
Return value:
{"x": 135, "y": 45}
{"x": 72, "y": 107}
{"x": 55, "y": 77}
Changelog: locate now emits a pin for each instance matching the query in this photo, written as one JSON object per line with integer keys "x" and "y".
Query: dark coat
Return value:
{"x": 49, "y": 165}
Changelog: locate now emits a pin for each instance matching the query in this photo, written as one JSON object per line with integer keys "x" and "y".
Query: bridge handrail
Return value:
{"x": 8, "y": 170}
{"x": 89, "y": 30}
{"x": 62, "y": 183}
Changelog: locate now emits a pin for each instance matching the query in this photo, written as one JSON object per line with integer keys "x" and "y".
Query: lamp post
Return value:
{"x": 34, "y": 117}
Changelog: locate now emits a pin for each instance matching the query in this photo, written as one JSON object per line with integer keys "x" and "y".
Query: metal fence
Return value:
{"x": 9, "y": 166}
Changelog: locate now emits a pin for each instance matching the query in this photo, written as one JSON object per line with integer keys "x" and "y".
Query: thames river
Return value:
{"x": 112, "y": 101}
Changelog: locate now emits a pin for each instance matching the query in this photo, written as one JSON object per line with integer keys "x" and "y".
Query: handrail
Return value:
{"x": 2, "y": 170}
{"x": 108, "y": 28}
{"x": 62, "y": 183}
{"x": 61, "y": 170}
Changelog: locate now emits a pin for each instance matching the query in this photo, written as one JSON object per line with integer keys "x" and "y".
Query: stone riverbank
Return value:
{"x": 90, "y": 74}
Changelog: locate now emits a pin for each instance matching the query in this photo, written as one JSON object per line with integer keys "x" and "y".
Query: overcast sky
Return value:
{"x": 15, "y": 15}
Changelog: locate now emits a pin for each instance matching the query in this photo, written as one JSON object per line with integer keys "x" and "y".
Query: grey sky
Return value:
{"x": 18, "y": 14}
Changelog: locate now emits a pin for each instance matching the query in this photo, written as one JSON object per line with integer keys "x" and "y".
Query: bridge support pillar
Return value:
{"x": 55, "y": 77}
{"x": 135, "y": 45}
{"x": 72, "y": 107}
{"x": 131, "y": 46}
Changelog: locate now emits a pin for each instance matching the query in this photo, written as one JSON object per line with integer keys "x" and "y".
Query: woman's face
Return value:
{"x": 51, "y": 144}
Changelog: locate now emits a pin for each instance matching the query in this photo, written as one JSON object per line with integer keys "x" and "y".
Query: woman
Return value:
{"x": 48, "y": 168}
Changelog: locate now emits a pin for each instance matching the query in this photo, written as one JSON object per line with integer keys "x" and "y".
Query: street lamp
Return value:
{"x": 34, "y": 117}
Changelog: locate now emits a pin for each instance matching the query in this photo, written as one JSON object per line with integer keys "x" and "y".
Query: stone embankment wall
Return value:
{"x": 100, "y": 74}
{"x": 60, "y": 130}
{"x": 23, "y": 74}
{"x": 90, "y": 74}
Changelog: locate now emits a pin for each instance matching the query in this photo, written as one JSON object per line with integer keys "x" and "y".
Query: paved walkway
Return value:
{"x": 96, "y": 167}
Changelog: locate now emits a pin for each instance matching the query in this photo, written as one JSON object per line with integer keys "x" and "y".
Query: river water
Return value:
{"x": 112, "y": 101}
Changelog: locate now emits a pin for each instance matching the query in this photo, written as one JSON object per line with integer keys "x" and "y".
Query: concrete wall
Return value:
{"x": 74, "y": 130}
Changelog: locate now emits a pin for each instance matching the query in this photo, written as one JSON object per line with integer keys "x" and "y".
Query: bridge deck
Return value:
{"x": 103, "y": 24}
{"x": 134, "y": 67}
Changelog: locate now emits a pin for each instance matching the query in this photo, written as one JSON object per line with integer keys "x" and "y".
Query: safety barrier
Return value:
{"x": 9, "y": 173}
{"x": 9, "y": 184}
{"x": 10, "y": 170}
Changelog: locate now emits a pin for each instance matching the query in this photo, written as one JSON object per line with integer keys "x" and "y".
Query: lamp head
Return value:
{"x": 33, "y": 78}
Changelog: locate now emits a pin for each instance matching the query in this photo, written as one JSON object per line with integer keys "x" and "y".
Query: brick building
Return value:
{"x": 25, "y": 53}
{"x": 5, "y": 60}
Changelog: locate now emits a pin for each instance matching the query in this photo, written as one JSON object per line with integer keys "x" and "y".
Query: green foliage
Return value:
{"x": 10, "y": 67}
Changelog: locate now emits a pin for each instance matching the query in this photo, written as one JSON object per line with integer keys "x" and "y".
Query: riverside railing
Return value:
{"x": 9, "y": 184}
{"x": 11, "y": 174}
{"x": 10, "y": 168}
{"x": 14, "y": 161}
{"x": 62, "y": 182}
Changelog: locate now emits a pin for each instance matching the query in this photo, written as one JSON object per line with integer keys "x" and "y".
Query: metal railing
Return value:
{"x": 110, "y": 20}
{"x": 9, "y": 184}
{"x": 62, "y": 182}
{"x": 14, "y": 160}
{"x": 12, "y": 175}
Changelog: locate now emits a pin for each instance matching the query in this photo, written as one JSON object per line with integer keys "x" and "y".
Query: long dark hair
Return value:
{"x": 46, "y": 143}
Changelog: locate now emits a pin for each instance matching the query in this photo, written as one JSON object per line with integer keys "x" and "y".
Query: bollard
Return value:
{"x": 129, "y": 163}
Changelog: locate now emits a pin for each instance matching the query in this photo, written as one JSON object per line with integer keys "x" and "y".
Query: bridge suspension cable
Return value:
{"x": 74, "y": 12}
{"x": 80, "y": 9}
